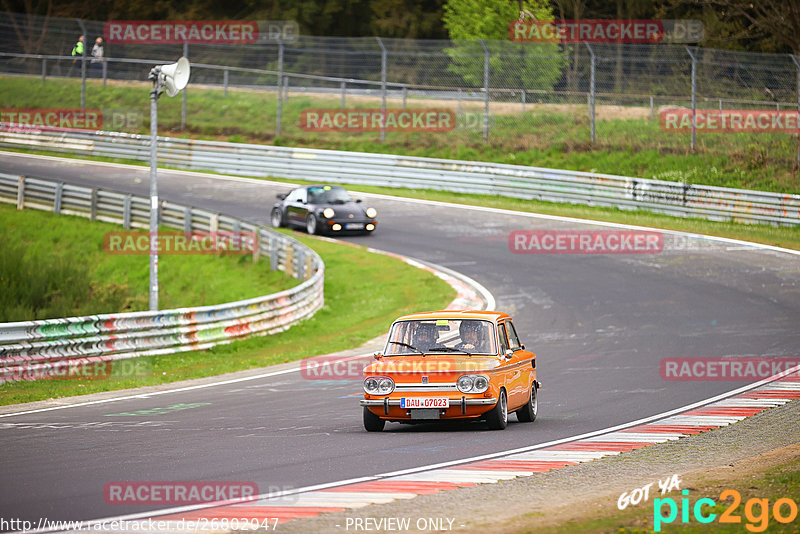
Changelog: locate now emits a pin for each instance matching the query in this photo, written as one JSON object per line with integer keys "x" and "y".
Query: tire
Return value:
{"x": 276, "y": 218}
{"x": 498, "y": 417}
{"x": 372, "y": 422}
{"x": 311, "y": 224}
{"x": 527, "y": 413}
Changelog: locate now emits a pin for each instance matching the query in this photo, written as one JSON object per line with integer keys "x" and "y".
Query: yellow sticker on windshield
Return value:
{"x": 441, "y": 322}
{"x": 327, "y": 188}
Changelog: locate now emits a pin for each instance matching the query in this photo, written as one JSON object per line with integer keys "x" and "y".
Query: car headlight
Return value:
{"x": 328, "y": 213}
{"x": 372, "y": 213}
{"x": 472, "y": 383}
{"x": 379, "y": 385}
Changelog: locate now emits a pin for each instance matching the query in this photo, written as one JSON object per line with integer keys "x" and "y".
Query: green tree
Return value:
{"x": 511, "y": 65}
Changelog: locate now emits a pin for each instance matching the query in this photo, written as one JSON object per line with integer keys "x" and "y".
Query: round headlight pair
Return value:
{"x": 472, "y": 383}
{"x": 379, "y": 385}
{"x": 372, "y": 213}
{"x": 328, "y": 213}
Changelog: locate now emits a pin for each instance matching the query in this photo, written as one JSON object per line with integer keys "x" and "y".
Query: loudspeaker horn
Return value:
{"x": 175, "y": 76}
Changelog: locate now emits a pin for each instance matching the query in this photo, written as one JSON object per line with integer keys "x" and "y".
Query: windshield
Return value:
{"x": 441, "y": 335}
{"x": 328, "y": 195}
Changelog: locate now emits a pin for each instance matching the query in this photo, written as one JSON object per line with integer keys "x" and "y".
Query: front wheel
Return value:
{"x": 527, "y": 413}
{"x": 277, "y": 218}
{"x": 372, "y": 422}
{"x": 311, "y": 224}
{"x": 498, "y": 417}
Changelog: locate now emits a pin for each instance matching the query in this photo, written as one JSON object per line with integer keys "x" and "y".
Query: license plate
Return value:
{"x": 424, "y": 402}
{"x": 354, "y": 226}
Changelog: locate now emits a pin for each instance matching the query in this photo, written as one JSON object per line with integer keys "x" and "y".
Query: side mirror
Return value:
{"x": 378, "y": 355}
{"x": 358, "y": 200}
{"x": 522, "y": 346}
{"x": 281, "y": 196}
{"x": 509, "y": 354}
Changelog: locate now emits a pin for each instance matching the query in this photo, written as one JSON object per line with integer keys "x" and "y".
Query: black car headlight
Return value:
{"x": 372, "y": 213}
{"x": 328, "y": 213}
{"x": 472, "y": 383}
{"x": 379, "y": 385}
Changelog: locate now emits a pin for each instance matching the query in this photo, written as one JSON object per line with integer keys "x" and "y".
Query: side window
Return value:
{"x": 512, "y": 336}
{"x": 298, "y": 195}
{"x": 501, "y": 331}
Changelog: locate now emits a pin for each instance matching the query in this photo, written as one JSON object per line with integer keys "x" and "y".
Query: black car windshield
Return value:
{"x": 470, "y": 336}
{"x": 328, "y": 195}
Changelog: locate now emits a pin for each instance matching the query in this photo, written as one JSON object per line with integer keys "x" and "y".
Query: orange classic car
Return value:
{"x": 450, "y": 365}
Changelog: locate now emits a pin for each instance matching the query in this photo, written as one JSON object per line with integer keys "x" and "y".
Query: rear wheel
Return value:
{"x": 527, "y": 413}
{"x": 277, "y": 218}
{"x": 498, "y": 417}
{"x": 311, "y": 224}
{"x": 372, "y": 422}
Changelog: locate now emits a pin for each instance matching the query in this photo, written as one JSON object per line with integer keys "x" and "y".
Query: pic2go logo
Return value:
{"x": 756, "y": 511}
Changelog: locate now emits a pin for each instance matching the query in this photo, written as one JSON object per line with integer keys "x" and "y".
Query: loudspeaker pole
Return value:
{"x": 154, "y": 94}
{"x": 174, "y": 78}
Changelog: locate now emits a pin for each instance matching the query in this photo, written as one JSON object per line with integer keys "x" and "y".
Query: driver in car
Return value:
{"x": 470, "y": 332}
{"x": 425, "y": 337}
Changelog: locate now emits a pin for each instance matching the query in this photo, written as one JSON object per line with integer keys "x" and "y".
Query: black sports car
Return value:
{"x": 323, "y": 209}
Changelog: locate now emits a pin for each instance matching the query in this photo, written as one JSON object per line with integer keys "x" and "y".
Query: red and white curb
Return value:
{"x": 522, "y": 464}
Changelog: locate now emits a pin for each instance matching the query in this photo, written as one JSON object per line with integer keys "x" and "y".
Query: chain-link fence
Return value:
{"x": 518, "y": 95}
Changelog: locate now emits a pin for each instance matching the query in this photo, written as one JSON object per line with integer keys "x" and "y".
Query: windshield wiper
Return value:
{"x": 407, "y": 345}
{"x": 449, "y": 349}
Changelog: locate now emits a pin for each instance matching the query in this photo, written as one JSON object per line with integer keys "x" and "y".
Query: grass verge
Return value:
{"x": 40, "y": 278}
{"x": 364, "y": 292}
{"x": 543, "y": 135}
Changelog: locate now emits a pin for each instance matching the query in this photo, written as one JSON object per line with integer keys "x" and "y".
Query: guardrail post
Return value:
{"x": 187, "y": 220}
{"x": 273, "y": 253}
{"x": 694, "y": 97}
{"x": 280, "y": 79}
{"x": 523, "y": 100}
{"x": 485, "y": 91}
{"x": 57, "y": 199}
{"x": 105, "y": 71}
{"x": 459, "y": 101}
{"x": 591, "y": 95}
{"x": 93, "y": 205}
{"x": 44, "y": 70}
{"x": 383, "y": 89}
{"x": 652, "y": 107}
{"x": 126, "y": 212}
{"x": 286, "y": 88}
{"x": 289, "y": 266}
{"x": 405, "y": 95}
{"x": 21, "y": 193}
{"x": 213, "y": 223}
{"x": 301, "y": 264}
{"x": 344, "y": 91}
{"x": 225, "y": 82}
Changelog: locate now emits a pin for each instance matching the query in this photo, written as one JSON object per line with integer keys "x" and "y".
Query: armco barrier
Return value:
{"x": 26, "y": 347}
{"x": 673, "y": 198}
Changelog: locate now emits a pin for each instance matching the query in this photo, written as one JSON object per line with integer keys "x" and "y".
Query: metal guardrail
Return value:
{"x": 551, "y": 185}
{"x": 27, "y": 346}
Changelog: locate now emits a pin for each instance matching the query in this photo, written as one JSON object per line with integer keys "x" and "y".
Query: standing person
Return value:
{"x": 97, "y": 58}
{"x": 77, "y": 52}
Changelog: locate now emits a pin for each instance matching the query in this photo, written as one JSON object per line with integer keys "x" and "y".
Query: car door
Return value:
{"x": 520, "y": 367}
{"x": 297, "y": 207}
